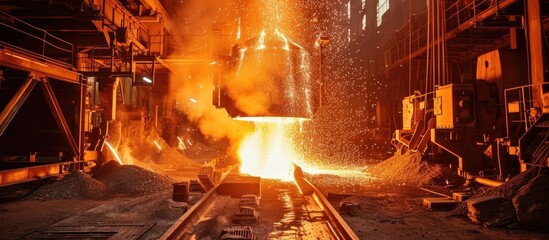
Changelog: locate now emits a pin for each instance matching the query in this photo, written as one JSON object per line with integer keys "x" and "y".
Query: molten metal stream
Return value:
{"x": 114, "y": 153}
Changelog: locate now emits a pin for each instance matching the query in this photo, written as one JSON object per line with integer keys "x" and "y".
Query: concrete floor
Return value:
{"x": 144, "y": 217}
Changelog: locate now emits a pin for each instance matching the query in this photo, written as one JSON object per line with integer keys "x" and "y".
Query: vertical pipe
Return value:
{"x": 114, "y": 92}
{"x": 437, "y": 21}
{"x": 112, "y": 54}
{"x": 506, "y": 112}
{"x": 445, "y": 53}
{"x": 82, "y": 119}
{"x": 428, "y": 47}
{"x": 427, "y": 71}
{"x": 513, "y": 34}
{"x": 524, "y": 115}
{"x": 498, "y": 142}
{"x": 409, "y": 48}
{"x": 535, "y": 48}
{"x": 433, "y": 53}
{"x": 320, "y": 75}
{"x": 95, "y": 86}
{"x": 156, "y": 116}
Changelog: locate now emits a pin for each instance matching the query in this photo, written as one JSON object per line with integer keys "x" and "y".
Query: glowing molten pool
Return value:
{"x": 269, "y": 151}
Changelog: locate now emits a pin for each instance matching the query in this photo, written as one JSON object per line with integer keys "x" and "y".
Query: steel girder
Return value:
{"x": 16, "y": 102}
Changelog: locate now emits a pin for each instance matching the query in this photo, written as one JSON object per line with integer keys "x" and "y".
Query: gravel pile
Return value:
{"x": 76, "y": 185}
{"x": 172, "y": 156}
{"x": 134, "y": 180}
{"x": 532, "y": 203}
{"x": 147, "y": 153}
{"x": 410, "y": 168}
{"x": 507, "y": 190}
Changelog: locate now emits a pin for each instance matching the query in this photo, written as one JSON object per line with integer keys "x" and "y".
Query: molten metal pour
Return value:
{"x": 273, "y": 88}
{"x": 269, "y": 152}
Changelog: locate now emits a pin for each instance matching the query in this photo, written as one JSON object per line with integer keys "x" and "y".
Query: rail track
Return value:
{"x": 286, "y": 210}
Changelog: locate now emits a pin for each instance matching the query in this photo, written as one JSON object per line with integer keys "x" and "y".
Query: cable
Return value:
{"x": 432, "y": 21}
{"x": 445, "y": 54}
{"x": 438, "y": 80}
{"x": 428, "y": 55}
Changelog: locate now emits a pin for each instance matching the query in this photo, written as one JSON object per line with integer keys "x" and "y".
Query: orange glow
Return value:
{"x": 114, "y": 153}
{"x": 272, "y": 119}
{"x": 269, "y": 152}
{"x": 181, "y": 144}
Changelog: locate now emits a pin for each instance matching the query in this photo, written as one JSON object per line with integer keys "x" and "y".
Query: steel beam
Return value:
{"x": 15, "y": 103}
{"x": 158, "y": 7}
{"x": 116, "y": 16}
{"x": 25, "y": 62}
{"x": 535, "y": 48}
{"x": 58, "y": 115}
{"x": 26, "y": 174}
{"x": 500, "y": 24}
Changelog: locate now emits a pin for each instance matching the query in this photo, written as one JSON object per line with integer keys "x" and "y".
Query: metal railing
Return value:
{"x": 462, "y": 11}
{"x": 92, "y": 62}
{"x": 27, "y": 38}
{"x": 459, "y": 15}
{"x": 519, "y": 104}
{"x": 179, "y": 45}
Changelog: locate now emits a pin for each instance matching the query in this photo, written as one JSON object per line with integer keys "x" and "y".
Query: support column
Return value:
{"x": 536, "y": 52}
{"x": 107, "y": 92}
{"x": 513, "y": 35}
{"x": 83, "y": 116}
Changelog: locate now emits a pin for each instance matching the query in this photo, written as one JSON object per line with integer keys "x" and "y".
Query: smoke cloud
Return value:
{"x": 191, "y": 86}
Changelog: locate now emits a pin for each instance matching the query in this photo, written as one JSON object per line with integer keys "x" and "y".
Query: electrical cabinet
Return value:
{"x": 454, "y": 106}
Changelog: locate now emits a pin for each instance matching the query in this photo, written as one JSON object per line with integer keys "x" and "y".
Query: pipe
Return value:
{"x": 488, "y": 182}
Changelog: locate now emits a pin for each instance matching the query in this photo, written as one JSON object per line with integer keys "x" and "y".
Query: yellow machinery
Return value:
{"x": 469, "y": 120}
{"x": 454, "y": 106}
